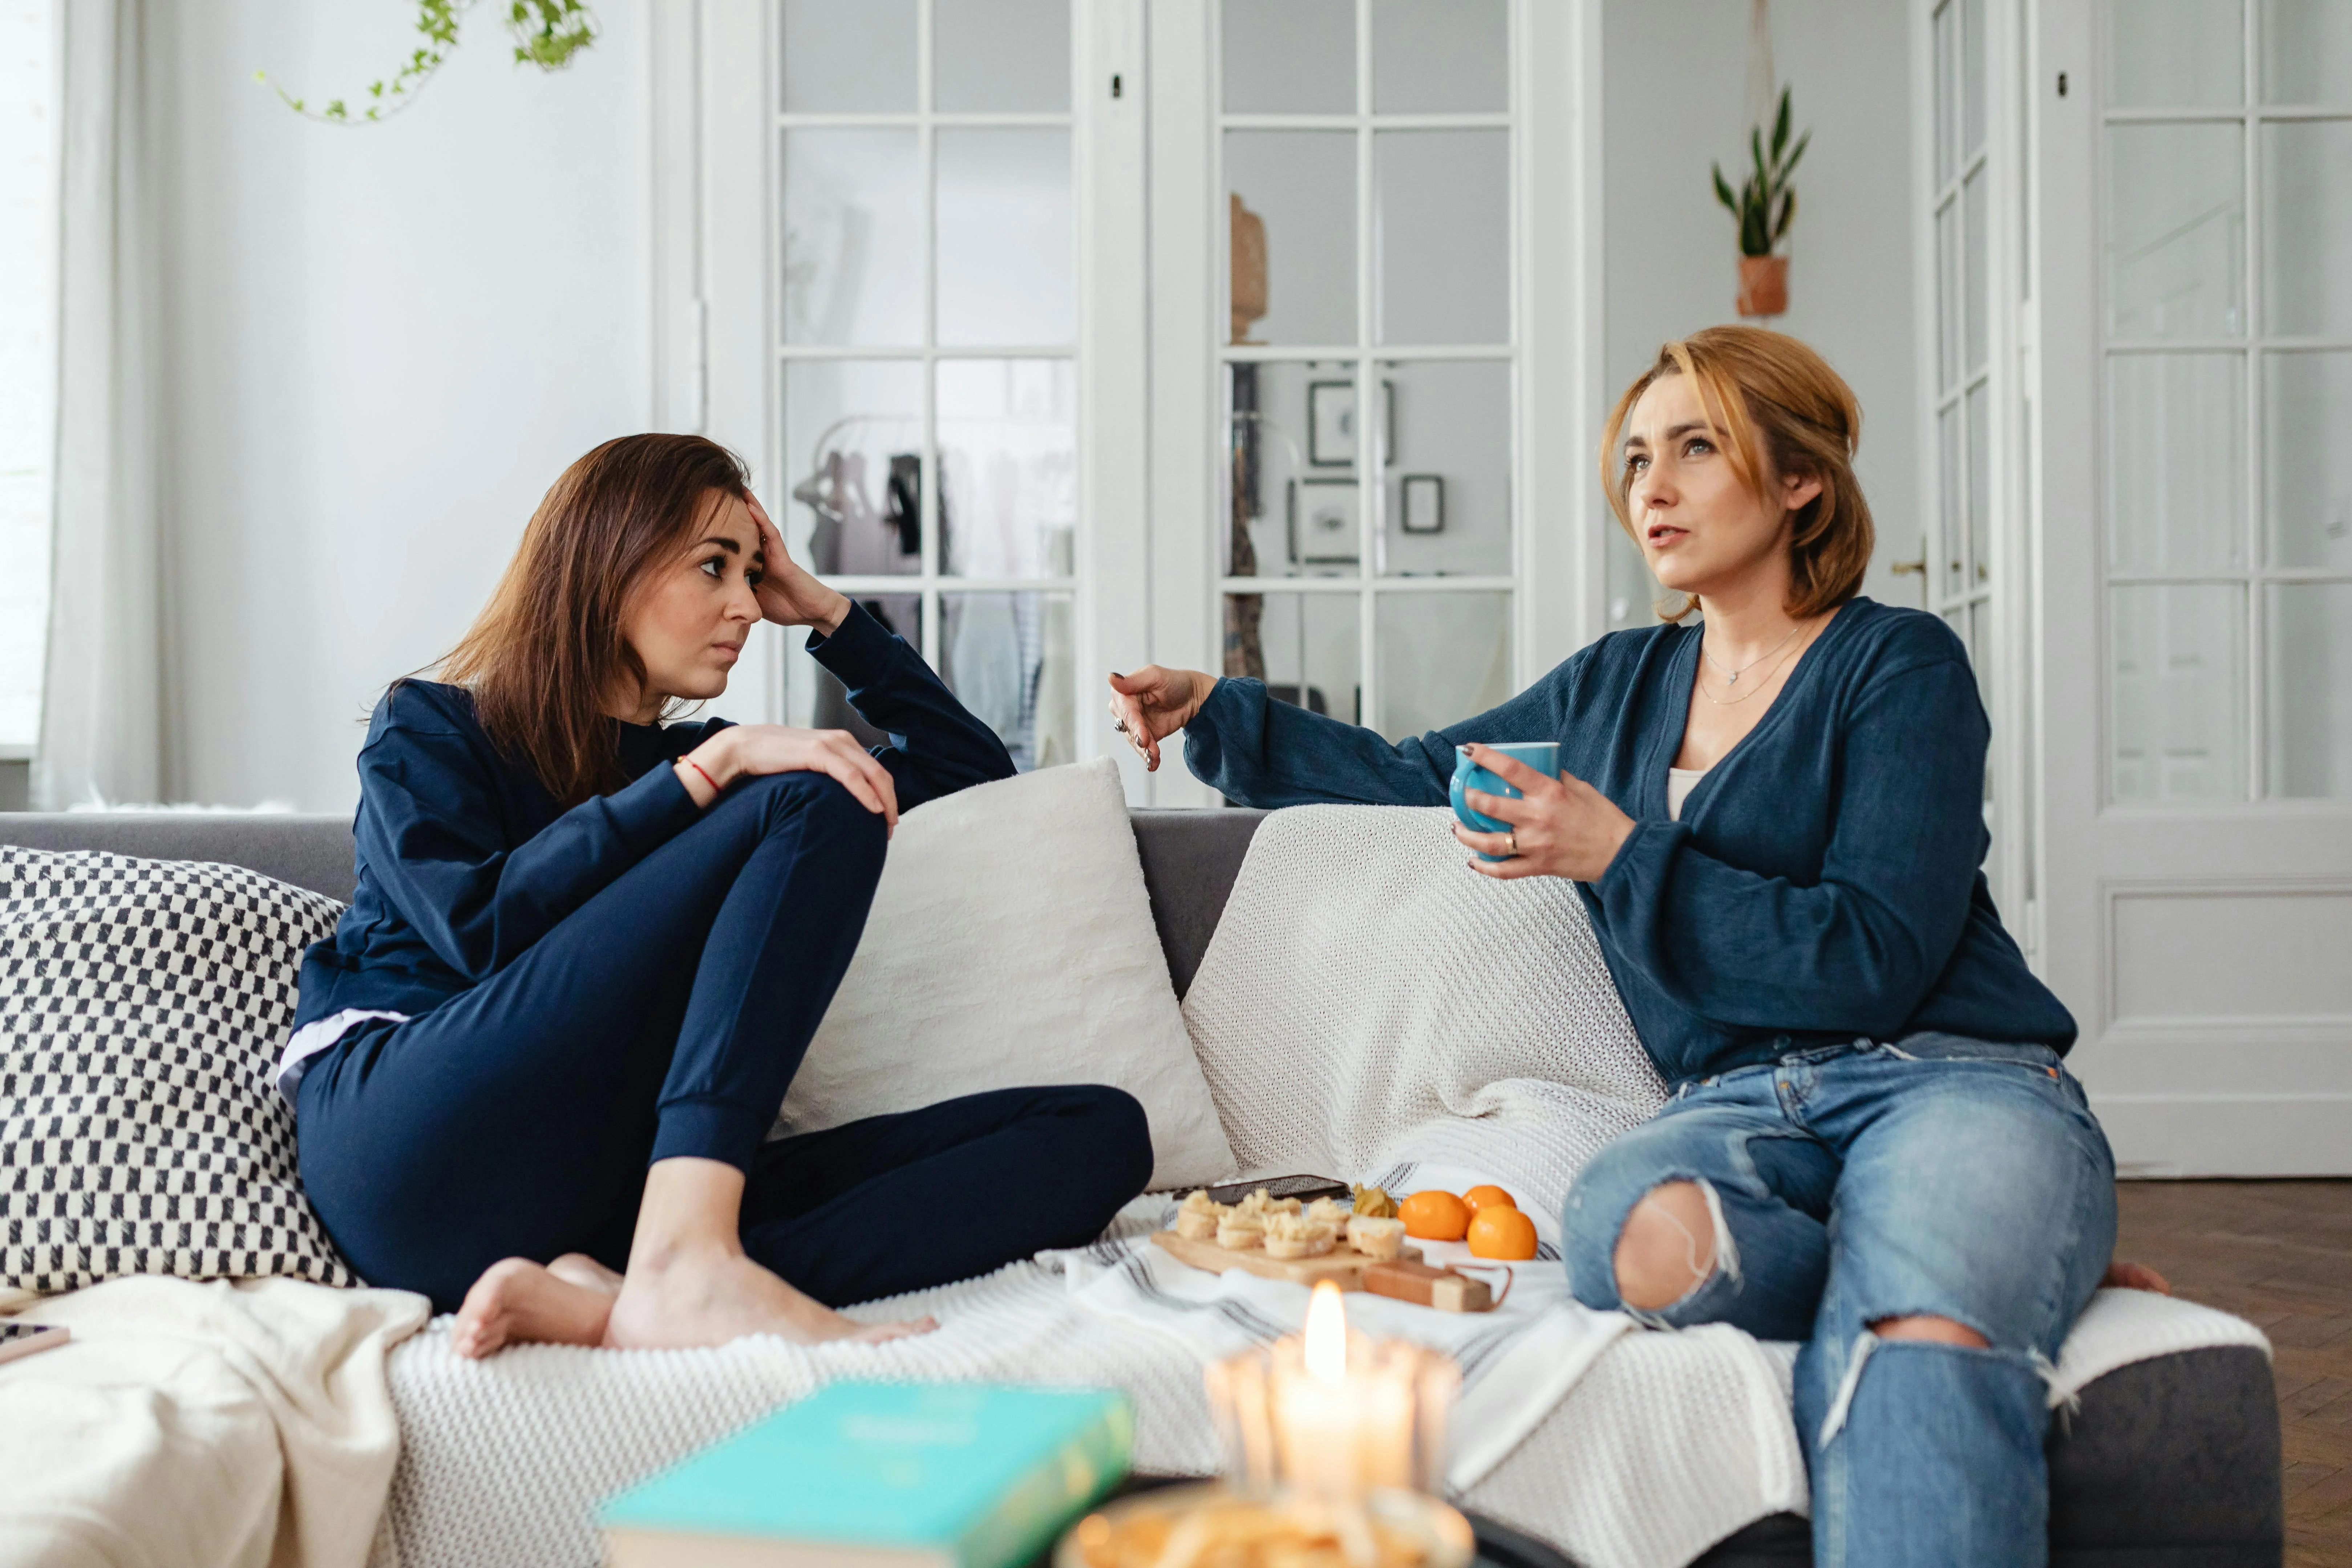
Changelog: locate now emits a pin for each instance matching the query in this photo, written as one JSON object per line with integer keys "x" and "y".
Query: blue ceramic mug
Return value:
{"x": 1541, "y": 756}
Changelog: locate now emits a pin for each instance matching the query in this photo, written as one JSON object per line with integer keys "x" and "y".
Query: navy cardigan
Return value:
{"x": 1824, "y": 882}
{"x": 465, "y": 859}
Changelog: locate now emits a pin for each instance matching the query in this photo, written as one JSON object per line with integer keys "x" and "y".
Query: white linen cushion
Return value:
{"x": 142, "y": 1004}
{"x": 1011, "y": 944}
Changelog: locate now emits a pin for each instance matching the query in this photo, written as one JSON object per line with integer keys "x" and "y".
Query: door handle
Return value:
{"x": 1909, "y": 568}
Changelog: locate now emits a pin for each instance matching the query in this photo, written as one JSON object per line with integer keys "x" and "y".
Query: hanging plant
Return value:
{"x": 1764, "y": 208}
{"x": 547, "y": 34}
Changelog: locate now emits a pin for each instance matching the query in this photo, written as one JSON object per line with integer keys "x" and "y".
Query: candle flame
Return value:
{"x": 1326, "y": 1336}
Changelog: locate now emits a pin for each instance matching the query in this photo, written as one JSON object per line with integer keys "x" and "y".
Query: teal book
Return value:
{"x": 882, "y": 1475}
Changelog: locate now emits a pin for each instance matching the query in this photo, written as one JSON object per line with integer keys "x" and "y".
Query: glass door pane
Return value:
{"x": 2307, "y": 51}
{"x": 1441, "y": 56}
{"x": 1304, "y": 647}
{"x": 2310, "y": 687}
{"x": 1289, "y": 56}
{"x": 2176, "y": 231}
{"x": 1009, "y": 658}
{"x": 2307, "y": 460}
{"x": 1291, "y": 437}
{"x": 854, "y": 460}
{"x": 2175, "y": 462}
{"x": 1448, "y": 479}
{"x": 1444, "y": 657}
{"x": 848, "y": 57}
{"x": 853, "y": 237}
{"x": 1008, "y": 467}
{"x": 2176, "y": 54}
{"x": 2178, "y": 702}
{"x": 1442, "y": 214}
{"x": 1300, "y": 186}
{"x": 1002, "y": 56}
{"x": 1005, "y": 253}
{"x": 2307, "y": 229}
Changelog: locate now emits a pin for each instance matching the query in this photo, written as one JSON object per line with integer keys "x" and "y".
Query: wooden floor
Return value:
{"x": 2278, "y": 1254}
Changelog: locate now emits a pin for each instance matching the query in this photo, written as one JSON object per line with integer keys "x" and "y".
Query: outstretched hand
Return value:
{"x": 1154, "y": 703}
{"x": 1560, "y": 827}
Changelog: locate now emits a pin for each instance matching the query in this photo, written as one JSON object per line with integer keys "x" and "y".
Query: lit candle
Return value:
{"x": 1342, "y": 1412}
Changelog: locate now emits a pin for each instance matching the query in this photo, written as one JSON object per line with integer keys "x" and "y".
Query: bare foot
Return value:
{"x": 579, "y": 1268}
{"x": 709, "y": 1296}
{"x": 517, "y": 1302}
{"x": 2122, "y": 1276}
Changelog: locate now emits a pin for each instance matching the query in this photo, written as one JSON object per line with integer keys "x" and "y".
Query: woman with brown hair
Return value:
{"x": 533, "y": 1067}
{"x": 1774, "y": 821}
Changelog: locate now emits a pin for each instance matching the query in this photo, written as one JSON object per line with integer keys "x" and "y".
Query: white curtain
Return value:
{"x": 101, "y": 721}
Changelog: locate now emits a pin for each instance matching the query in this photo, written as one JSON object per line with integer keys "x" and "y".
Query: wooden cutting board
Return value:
{"x": 1343, "y": 1265}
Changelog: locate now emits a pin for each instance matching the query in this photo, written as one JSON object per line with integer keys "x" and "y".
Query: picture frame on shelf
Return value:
{"x": 1332, "y": 435}
{"x": 1423, "y": 507}
{"x": 1323, "y": 521}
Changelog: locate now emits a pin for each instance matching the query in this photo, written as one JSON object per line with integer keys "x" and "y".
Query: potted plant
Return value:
{"x": 1764, "y": 207}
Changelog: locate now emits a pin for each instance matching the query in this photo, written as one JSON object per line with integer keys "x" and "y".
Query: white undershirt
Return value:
{"x": 316, "y": 1037}
{"x": 1679, "y": 784}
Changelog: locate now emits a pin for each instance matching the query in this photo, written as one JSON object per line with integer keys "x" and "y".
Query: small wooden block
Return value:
{"x": 1343, "y": 1265}
{"x": 1427, "y": 1286}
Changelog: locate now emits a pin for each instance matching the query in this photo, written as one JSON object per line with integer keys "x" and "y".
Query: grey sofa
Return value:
{"x": 2169, "y": 1463}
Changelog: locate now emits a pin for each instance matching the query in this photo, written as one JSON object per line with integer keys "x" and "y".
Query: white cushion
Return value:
{"x": 1011, "y": 944}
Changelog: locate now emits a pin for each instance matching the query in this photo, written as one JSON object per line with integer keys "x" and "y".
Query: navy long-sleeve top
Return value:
{"x": 1824, "y": 882}
{"x": 465, "y": 858}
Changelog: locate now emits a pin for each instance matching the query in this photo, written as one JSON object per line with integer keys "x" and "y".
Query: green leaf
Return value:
{"x": 1788, "y": 216}
{"x": 1795, "y": 152}
{"x": 1723, "y": 193}
{"x": 1781, "y": 127}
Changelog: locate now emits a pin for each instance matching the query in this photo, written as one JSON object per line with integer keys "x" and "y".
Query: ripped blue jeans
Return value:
{"x": 1847, "y": 1185}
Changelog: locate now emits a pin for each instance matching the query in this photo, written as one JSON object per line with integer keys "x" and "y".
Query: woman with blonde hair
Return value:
{"x": 1773, "y": 817}
{"x": 536, "y": 1064}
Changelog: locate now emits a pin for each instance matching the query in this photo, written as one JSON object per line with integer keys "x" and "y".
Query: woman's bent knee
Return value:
{"x": 1122, "y": 1136}
{"x": 1667, "y": 1247}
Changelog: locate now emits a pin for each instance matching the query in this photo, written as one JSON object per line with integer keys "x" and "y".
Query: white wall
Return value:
{"x": 382, "y": 345}
{"x": 1673, "y": 101}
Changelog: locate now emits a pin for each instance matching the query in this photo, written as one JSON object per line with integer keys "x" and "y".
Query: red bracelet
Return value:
{"x": 698, "y": 767}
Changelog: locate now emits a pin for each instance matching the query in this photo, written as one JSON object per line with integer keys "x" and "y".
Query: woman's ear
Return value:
{"x": 1799, "y": 489}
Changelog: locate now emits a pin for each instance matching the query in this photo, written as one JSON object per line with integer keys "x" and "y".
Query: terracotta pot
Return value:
{"x": 1763, "y": 285}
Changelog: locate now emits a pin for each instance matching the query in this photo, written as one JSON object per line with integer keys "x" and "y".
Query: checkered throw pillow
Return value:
{"x": 143, "y": 1004}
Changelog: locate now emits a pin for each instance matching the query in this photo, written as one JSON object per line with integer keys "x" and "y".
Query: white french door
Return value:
{"x": 2194, "y": 257}
{"x": 1371, "y": 398}
{"x": 890, "y": 262}
{"x": 1975, "y": 548}
{"x": 958, "y": 276}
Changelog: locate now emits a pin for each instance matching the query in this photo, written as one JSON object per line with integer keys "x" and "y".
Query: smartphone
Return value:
{"x": 29, "y": 1339}
{"x": 1306, "y": 1189}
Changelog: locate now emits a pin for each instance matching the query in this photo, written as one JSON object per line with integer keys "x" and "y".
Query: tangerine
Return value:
{"x": 1434, "y": 1216}
{"x": 1479, "y": 1197}
{"x": 1504, "y": 1233}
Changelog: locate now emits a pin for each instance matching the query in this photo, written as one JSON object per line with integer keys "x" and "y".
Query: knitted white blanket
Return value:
{"x": 1368, "y": 1009}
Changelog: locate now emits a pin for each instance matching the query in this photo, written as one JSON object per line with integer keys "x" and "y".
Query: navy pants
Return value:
{"x": 666, "y": 1016}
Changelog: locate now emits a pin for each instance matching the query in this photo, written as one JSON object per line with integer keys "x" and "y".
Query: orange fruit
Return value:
{"x": 1479, "y": 1197}
{"x": 1504, "y": 1233}
{"x": 1434, "y": 1216}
